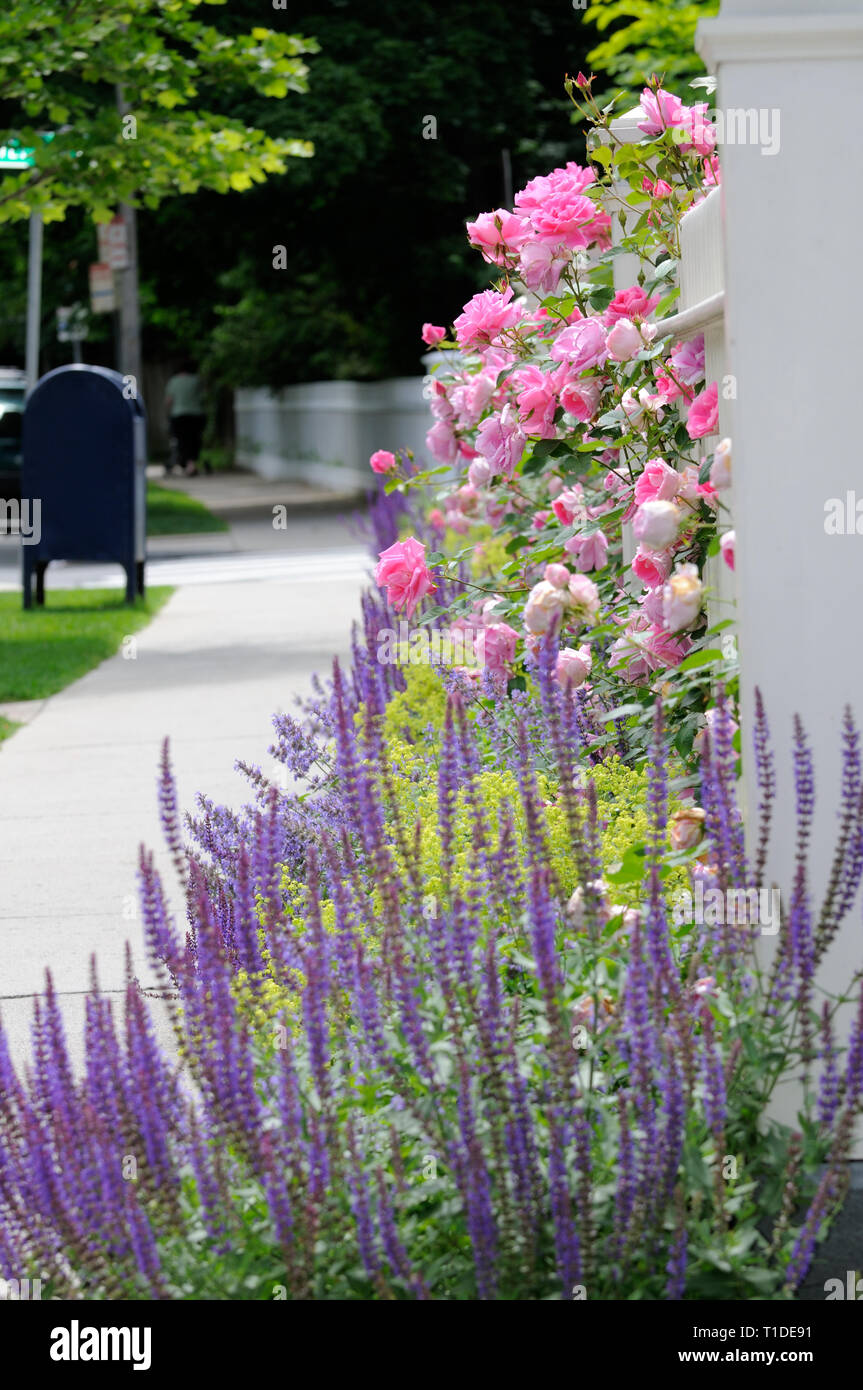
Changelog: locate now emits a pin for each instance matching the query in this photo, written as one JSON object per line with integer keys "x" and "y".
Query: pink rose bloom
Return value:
{"x": 382, "y": 461}
{"x": 687, "y": 360}
{"x": 442, "y": 443}
{"x": 573, "y": 666}
{"x": 499, "y": 235}
{"x": 668, "y": 389}
{"x": 712, "y": 175}
{"x": 470, "y": 400}
{"x": 660, "y": 189}
{"x": 656, "y": 524}
{"x": 624, "y": 340}
{"x": 658, "y": 482}
{"x": 501, "y": 441}
{"x": 574, "y": 177}
{"x": 437, "y": 521}
{"x": 542, "y": 264}
{"x": 558, "y": 575}
{"x": 682, "y": 597}
{"x": 627, "y": 656}
{"x": 432, "y": 335}
{"x": 661, "y": 111}
{"x": 580, "y": 397}
{"x": 537, "y": 401}
{"x": 590, "y": 551}
{"x": 667, "y": 649}
{"x": 652, "y": 604}
{"x": 581, "y": 345}
{"x": 699, "y": 132}
{"x": 485, "y": 317}
{"x": 631, "y": 303}
{"x": 651, "y": 567}
{"x": 497, "y": 643}
{"x": 703, "y": 415}
{"x": 726, "y": 546}
{"x": 403, "y": 572}
{"x": 720, "y": 468}
{"x": 539, "y": 520}
{"x": 568, "y": 506}
{"x": 584, "y": 598}
{"x": 479, "y": 472}
{"x": 545, "y": 604}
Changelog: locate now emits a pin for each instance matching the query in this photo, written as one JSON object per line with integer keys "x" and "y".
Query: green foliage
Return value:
{"x": 43, "y": 650}
{"x": 648, "y": 39}
{"x": 62, "y": 67}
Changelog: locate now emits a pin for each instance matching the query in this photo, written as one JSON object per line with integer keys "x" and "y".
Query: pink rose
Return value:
{"x": 584, "y": 598}
{"x": 726, "y": 546}
{"x": 590, "y": 551}
{"x": 403, "y": 572}
{"x": 537, "y": 401}
{"x": 657, "y": 482}
{"x": 560, "y": 213}
{"x": 580, "y": 397}
{"x": 651, "y": 567}
{"x": 581, "y": 345}
{"x": 682, "y": 598}
{"x": 541, "y": 265}
{"x": 501, "y": 441}
{"x": 631, "y": 303}
{"x": 545, "y": 604}
{"x": 656, "y": 524}
{"x": 496, "y": 643}
{"x": 624, "y": 341}
{"x": 568, "y": 506}
{"x": 695, "y": 131}
{"x": 499, "y": 235}
{"x": 442, "y": 443}
{"x": 687, "y": 360}
{"x": 485, "y": 317}
{"x": 432, "y": 335}
{"x": 573, "y": 666}
{"x": 437, "y": 521}
{"x": 662, "y": 110}
{"x": 557, "y": 575}
{"x": 382, "y": 461}
{"x": 686, "y": 830}
{"x": 479, "y": 472}
{"x": 667, "y": 650}
{"x": 703, "y": 415}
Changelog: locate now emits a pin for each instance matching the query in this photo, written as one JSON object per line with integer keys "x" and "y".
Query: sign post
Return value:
{"x": 15, "y": 156}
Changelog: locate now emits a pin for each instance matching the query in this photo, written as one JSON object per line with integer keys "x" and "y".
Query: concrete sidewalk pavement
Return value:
{"x": 78, "y": 782}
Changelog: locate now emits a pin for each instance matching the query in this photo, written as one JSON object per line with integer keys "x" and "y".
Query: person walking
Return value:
{"x": 184, "y": 401}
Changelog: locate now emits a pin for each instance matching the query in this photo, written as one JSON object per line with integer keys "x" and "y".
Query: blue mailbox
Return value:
{"x": 84, "y": 462}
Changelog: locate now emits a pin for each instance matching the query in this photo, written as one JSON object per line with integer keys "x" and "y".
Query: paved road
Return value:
{"x": 239, "y": 639}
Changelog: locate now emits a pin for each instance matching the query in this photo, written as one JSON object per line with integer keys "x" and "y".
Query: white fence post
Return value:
{"x": 794, "y": 306}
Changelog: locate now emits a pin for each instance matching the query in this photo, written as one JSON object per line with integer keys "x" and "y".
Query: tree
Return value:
{"x": 64, "y": 61}
{"x": 647, "y": 39}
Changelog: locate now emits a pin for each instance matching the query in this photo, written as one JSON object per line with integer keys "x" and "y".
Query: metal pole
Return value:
{"x": 34, "y": 299}
{"x": 507, "y": 178}
{"x": 129, "y": 305}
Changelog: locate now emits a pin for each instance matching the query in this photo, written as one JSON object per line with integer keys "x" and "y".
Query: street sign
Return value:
{"x": 113, "y": 243}
{"x": 72, "y": 323}
{"x": 102, "y": 298}
{"x": 15, "y": 156}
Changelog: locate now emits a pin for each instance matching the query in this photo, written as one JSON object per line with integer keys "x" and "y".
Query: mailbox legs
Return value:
{"x": 139, "y": 568}
{"x": 29, "y": 566}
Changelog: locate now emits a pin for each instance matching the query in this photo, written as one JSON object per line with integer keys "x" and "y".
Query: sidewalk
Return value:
{"x": 78, "y": 782}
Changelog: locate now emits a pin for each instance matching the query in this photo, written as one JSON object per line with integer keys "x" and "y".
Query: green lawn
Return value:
{"x": 44, "y": 649}
{"x": 7, "y": 728}
{"x": 172, "y": 513}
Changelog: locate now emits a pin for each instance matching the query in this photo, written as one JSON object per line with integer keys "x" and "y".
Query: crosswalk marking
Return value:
{"x": 208, "y": 569}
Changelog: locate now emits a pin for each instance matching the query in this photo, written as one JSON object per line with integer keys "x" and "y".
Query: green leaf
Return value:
{"x": 702, "y": 658}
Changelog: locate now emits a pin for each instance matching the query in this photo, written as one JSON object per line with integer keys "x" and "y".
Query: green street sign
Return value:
{"x": 16, "y": 156}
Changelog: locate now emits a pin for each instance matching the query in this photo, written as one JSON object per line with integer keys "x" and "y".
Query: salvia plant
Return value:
{"x": 502, "y": 1089}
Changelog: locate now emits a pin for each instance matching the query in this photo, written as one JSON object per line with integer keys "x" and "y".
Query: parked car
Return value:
{"x": 13, "y": 387}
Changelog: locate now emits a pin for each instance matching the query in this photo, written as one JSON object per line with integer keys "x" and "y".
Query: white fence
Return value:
{"x": 323, "y": 432}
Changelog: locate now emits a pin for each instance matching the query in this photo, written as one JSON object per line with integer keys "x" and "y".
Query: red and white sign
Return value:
{"x": 102, "y": 298}
{"x": 113, "y": 244}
